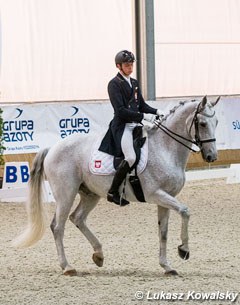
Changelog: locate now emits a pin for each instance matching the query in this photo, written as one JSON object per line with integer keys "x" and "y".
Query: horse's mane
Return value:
{"x": 152, "y": 130}
{"x": 180, "y": 104}
{"x": 172, "y": 111}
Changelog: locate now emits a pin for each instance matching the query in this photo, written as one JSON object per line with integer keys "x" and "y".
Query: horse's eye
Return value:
{"x": 203, "y": 124}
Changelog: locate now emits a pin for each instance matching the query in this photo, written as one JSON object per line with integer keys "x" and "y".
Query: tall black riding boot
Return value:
{"x": 120, "y": 175}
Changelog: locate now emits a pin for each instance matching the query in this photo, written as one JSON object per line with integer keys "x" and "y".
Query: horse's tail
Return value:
{"x": 35, "y": 211}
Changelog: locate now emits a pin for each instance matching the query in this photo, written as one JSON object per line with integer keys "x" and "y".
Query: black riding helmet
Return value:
{"x": 124, "y": 56}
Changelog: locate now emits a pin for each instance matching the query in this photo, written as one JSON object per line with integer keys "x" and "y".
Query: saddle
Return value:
{"x": 104, "y": 164}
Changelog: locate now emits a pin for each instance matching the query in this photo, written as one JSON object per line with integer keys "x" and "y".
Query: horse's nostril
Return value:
{"x": 209, "y": 158}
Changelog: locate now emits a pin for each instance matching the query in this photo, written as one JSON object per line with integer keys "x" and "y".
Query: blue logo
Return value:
{"x": 75, "y": 110}
{"x": 20, "y": 111}
{"x": 12, "y": 174}
{"x": 236, "y": 124}
{"x": 18, "y": 130}
{"x": 74, "y": 124}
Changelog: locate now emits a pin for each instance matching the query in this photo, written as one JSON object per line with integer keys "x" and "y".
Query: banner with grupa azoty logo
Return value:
{"x": 19, "y": 131}
{"x": 29, "y": 128}
{"x": 75, "y": 122}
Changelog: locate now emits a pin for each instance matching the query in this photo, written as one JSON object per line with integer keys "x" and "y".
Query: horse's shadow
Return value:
{"x": 146, "y": 274}
{"x": 135, "y": 273}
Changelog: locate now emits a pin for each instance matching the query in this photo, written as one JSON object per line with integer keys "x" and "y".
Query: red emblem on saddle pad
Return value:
{"x": 98, "y": 163}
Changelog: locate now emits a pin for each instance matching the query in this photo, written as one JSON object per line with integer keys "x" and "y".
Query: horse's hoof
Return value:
{"x": 98, "y": 259}
{"x": 171, "y": 272}
{"x": 70, "y": 272}
{"x": 182, "y": 253}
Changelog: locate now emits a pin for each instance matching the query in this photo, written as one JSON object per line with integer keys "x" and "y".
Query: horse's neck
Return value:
{"x": 175, "y": 122}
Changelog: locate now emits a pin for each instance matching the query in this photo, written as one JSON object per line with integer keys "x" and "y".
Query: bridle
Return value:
{"x": 197, "y": 141}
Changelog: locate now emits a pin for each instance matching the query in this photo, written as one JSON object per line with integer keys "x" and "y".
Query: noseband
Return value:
{"x": 198, "y": 142}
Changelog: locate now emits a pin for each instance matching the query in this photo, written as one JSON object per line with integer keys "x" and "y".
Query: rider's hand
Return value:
{"x": 149, "y": 117}
{"x": 160, "y": 115}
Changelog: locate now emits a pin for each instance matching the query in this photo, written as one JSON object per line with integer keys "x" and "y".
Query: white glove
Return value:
{"x": 160, "y": 115}
{"x": 159, "y": 112}
{"x": 149, "y": 117}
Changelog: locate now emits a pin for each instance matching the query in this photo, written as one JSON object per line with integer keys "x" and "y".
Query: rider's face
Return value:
{"x": 126, "y": 68}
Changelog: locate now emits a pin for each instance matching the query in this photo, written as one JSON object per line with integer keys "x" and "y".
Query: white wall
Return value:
{"x": 61, "y": 49}
{"x": 53, "y": 50}
{"x": 197, "y": 47}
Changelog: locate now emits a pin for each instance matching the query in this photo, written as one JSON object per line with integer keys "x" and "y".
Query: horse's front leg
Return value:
{"x": 163, "y": 217}
{"x": 164, "y": 200}
{"x": 183, "y": 249}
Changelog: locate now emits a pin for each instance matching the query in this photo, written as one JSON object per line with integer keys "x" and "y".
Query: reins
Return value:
{"x": 198, "y": 142}
{"x": 170, "y": 133}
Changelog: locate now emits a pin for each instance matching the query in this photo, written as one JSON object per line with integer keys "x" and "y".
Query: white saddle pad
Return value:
{"x": 102, "y": 163}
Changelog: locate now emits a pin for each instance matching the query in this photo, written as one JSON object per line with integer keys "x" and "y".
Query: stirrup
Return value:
{"x": 117, "y": 199}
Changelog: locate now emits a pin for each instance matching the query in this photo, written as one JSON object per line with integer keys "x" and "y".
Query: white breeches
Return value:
{"x": 127, "y": 143}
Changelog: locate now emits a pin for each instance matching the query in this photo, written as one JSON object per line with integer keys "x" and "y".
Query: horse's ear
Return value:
{"x": 215, "y": 103}
{"x": 203, "y": 103}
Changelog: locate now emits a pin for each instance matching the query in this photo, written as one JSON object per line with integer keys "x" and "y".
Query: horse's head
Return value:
{"x": 202, "y": 128}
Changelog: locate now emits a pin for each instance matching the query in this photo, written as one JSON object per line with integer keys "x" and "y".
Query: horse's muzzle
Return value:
{"x": 210, "y": 158}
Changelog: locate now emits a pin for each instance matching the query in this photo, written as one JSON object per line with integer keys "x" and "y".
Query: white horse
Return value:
{"x": 66, "y": 168}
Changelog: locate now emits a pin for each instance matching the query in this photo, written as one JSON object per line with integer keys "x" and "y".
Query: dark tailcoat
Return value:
{"x": 129, "y": 106}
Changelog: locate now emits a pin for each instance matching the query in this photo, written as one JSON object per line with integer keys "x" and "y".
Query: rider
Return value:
{"x": 129, "y": 110}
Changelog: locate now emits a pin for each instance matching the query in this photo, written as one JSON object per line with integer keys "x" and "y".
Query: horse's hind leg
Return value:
{"x": 87, "y": 203}
{"x": 64, "y": 203}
